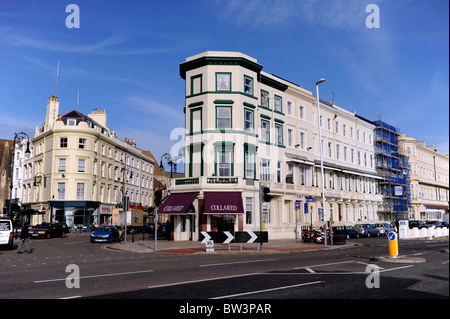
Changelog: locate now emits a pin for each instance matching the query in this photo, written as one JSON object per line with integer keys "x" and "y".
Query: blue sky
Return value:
{"x": 125, "y": 58}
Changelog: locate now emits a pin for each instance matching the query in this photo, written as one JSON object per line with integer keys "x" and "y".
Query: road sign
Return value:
{"x": 306, "y": 208}
{"x": 297, "y": 205}
{"x": 251, "y": 237}
{"x": 218, "y": 237}
{"x": 311, "y": 199}
{"x": 227, "y": 237}
{"x": 392, "y": 236}
{"x": 210, "y": 246}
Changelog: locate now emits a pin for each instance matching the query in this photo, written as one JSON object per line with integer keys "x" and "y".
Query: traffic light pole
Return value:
{"x": 156, "y": 228}
{"x": 261, "y": 213}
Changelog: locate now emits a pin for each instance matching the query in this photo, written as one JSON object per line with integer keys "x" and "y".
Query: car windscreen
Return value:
{"x": 106, "y": 229}
{"x": 43, "y": 226}
{"x": 5, "y": 225}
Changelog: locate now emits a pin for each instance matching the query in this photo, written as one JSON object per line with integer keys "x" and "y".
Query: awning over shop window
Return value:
{"x": 221, "y": 203}
{"x": 177, "y": 204}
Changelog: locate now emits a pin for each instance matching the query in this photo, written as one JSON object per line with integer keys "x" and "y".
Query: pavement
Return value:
{"x": 274, "y": 246}
{"x": 196, "y": 247}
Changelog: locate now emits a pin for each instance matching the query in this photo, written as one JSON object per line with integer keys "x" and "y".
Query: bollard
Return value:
{"x": 143, "y": 235}
{"x": 132, "y": 237}
{"x": 393, "y": 244}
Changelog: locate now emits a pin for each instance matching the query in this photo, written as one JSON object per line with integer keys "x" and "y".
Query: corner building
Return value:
{"x": 246, "y": 128}
{"x": 80, "y": 171}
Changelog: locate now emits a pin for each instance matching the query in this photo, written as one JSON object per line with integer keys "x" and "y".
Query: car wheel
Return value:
{"x": 48, "y": 236}
{"x": 368, "y": 234}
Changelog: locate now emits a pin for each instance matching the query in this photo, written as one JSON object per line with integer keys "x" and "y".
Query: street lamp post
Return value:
{"x": 18, "y": 137}
{"x": 321, "y": 161}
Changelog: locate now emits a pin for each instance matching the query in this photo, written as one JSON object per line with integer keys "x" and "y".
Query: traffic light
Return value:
{"x": 266, "y": 196}
{"x": 158, "y": 197}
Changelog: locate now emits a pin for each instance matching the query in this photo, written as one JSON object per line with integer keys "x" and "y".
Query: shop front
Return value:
{"x": 223, "y": 211}
{"x": 179, "y": 212}
{"x": 188, "y": 214}
{"x": 74, "y": 213}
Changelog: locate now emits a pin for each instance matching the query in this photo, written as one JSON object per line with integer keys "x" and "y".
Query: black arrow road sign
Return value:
{"x": 225, "y": 237}
{"x": 243, "y": 237}
{"x": 251, "y": 237}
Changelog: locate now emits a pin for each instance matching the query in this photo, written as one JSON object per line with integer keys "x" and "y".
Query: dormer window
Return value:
{"x": 72, "y": 122}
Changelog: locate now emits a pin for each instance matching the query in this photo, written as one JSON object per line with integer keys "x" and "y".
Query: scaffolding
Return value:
{"x": 394, "y": 168}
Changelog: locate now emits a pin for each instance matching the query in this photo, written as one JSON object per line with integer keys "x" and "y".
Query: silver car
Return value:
{"x": 384, "y": 228}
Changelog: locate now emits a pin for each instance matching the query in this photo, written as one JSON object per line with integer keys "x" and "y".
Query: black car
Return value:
{"x": 47, "y": 230}
{"x": 416, "y": 224}
{"x": 433, "y": 223}
{"x": 351, "y": 232}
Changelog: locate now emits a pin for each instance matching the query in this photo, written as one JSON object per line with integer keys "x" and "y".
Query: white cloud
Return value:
{"x": 269, "y": 13}
{"x": 11, "y": 38}
{"x": 147, "y": 105}
{"x": 439, "y": 88}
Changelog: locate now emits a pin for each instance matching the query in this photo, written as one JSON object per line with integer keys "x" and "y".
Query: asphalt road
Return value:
{"x": 52, "y": 271}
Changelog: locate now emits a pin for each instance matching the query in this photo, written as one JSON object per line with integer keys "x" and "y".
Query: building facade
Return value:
{"x": 79, "y": 170}
{"x": 429, "y": 179}
{"x": 245, "y": 129}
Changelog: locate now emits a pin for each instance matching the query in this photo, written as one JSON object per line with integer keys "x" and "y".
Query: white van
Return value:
{"x": 6, "y": 233}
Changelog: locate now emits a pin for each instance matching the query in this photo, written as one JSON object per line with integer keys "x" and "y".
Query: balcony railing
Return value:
{"x": 209, "y": 180}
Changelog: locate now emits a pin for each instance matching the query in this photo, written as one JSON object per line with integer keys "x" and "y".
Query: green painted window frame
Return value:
{"x": 245, "y": 120}
{"x": 263, "y": 105}
{"x": 250, "y": 149}
{"x": 263, "y": 135}
{"x": 193, "y": 146}
{"x": 231, "y": 117}
{"x": 222, "y": 73}
{"x": 277, "y": 97}
{"x": 246, "y": 77}
{"x": 192, "y": 120}
{"x": 277, "y": 135}
{"x": 223, "y": 146}
{"x": 194, "y": 77}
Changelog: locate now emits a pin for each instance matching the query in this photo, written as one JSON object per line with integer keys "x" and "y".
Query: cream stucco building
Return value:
{"x": 429, "y": 179}
{"x": 79, "y": 169}
{"x": 245, "y": 129}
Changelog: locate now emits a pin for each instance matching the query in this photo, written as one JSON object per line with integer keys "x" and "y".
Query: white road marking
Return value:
{"x": 267, "y": 290}
{"x": 237, "y": 262}
{"x": 96, "y": 276}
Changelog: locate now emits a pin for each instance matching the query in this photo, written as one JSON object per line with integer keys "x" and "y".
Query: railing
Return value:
{"x": 209, "y": 180}
{"x": 187, "y": 181}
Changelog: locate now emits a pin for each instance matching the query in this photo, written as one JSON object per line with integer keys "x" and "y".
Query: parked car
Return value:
{"x": 444, "y": 224}
{"x": 6, "y": 233}
{"x": 416, "y": 224}
{"x": 351, "y": 232}
{"x": 107, "y": 233}
{"x": 366, "y": 230}
{"x": 380, "y": 228}
{"x": 47, "y": 230}
{"x": 65, "y": 228}
{"x": 433, "y": 223}
{"x": 384, "y": 228}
